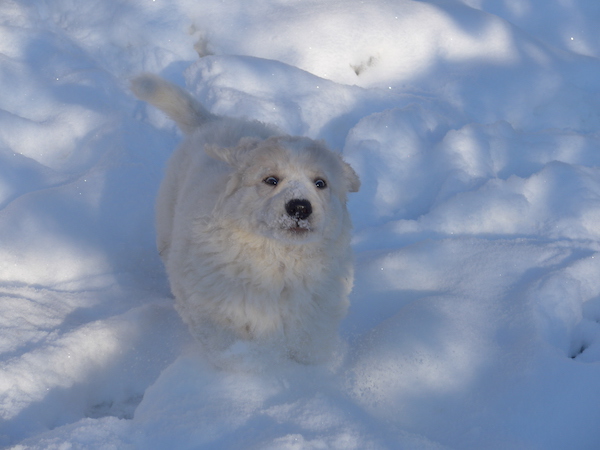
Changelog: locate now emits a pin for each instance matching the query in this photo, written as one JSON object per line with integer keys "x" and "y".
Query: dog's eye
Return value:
{"x": 320, "y": 184}
{"x": 273, "y": 181}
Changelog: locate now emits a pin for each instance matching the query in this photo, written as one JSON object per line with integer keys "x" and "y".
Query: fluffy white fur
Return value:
{"x": 242, "y": 267}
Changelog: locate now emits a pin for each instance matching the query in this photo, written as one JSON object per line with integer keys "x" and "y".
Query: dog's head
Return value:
{"x": 291, "y": 189}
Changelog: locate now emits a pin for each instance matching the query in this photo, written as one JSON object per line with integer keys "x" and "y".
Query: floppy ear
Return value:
{"x": 225, "y": 154}
{"x": 233, "y": 156}
{"x": 352, "y": 180}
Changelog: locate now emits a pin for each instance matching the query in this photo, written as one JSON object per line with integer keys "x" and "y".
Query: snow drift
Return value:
{"x": 475, "y": 318}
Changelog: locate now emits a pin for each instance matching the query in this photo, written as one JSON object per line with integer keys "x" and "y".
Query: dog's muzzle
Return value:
{"x": 299, "y": 209}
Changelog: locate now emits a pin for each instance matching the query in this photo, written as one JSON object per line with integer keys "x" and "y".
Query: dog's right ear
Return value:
{"x": 233, "y": 156}
{"x": 225, "y": 154}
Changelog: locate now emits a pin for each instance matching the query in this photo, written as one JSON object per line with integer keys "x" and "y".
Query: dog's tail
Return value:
{"x": 176, "y": 103}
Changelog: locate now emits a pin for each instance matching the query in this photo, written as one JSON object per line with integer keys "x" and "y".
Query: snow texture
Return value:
{"x": 474, "y": 126}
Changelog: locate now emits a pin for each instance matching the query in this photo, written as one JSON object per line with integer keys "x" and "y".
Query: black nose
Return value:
{"x": 299, "y": 209}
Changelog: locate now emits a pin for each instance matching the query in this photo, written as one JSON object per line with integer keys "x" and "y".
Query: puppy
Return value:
{"x": 253, "y": 230}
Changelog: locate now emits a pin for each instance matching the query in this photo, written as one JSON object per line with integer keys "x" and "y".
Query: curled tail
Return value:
{"x": 176, "y": 103}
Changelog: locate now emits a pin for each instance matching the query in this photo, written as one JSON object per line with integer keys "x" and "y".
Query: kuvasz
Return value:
{"x": 253, "y": 230}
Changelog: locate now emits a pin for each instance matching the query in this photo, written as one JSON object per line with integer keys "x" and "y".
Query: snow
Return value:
{"x": 475, "y": 317}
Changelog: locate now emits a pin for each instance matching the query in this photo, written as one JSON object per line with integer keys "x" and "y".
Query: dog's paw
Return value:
{"x": 245, "y": 356}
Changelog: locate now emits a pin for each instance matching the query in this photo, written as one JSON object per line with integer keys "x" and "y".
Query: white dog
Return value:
{"x": 253, "y": 229}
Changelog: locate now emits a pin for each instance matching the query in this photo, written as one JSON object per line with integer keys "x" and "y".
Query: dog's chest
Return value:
{"x": 270, "y": 295}
{"x": 278, "y": 269}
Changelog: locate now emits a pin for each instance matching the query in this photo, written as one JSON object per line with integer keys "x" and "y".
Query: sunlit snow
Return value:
{"x": 474, "y": 126}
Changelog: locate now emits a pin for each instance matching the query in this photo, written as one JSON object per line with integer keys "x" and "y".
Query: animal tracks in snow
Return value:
{"x": 567, "y": 305}
{"x": 585, "y": 345}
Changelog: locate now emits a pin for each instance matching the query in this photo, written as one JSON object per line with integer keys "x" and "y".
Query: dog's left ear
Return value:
{"x": 352, "y": 180}
{"x": 233, "y": 156}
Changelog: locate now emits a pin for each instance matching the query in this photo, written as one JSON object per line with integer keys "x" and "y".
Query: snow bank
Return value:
{"x": 475, "y": 319}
